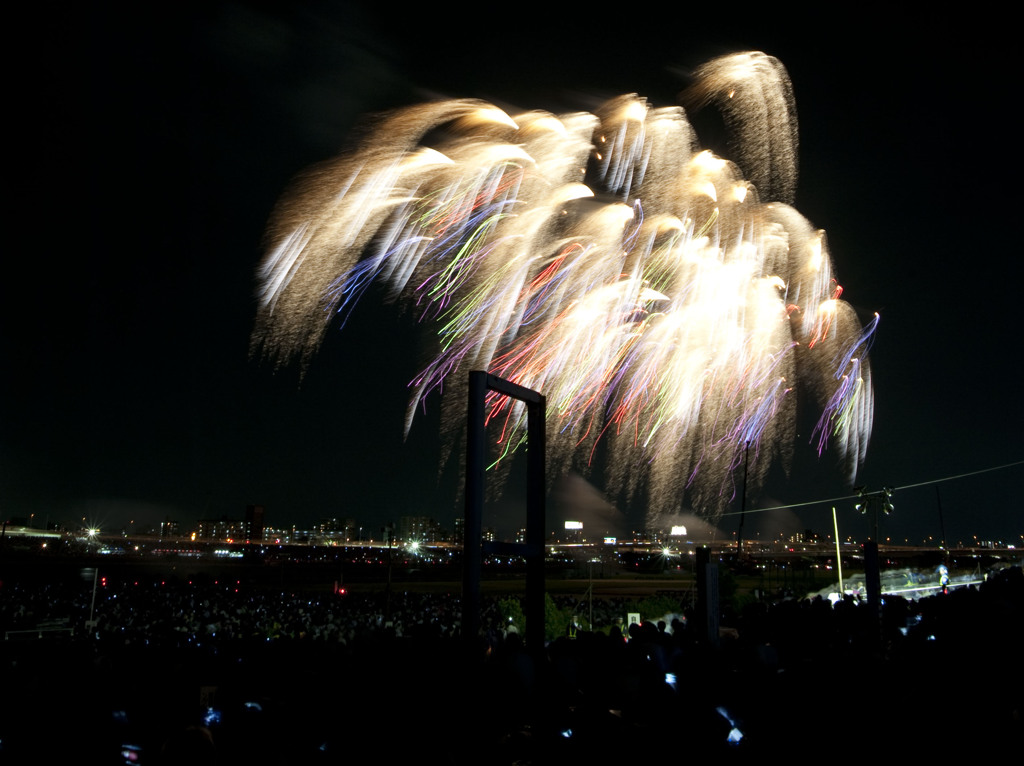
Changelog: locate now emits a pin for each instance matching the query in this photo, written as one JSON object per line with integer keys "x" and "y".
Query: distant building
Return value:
{"x": 573, "y": 532}
{"x": 251, "y": 527}
{"x": 254, "y": 522}
{"x": 277, "y": 536}
{"x": 341, "y": 530}
{"x": 221, "y": 529}
{"x": 420, "y": 529}
{"x": 805, "y": 537}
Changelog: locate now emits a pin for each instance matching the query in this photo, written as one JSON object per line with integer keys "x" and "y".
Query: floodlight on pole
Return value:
{"x": 870, "y": 503}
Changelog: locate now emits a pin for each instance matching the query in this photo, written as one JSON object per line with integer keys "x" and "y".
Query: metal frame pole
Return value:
{"x": 536, "y": 486}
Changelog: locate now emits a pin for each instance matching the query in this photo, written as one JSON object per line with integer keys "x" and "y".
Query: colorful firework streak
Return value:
{"x": 668, "y": 308}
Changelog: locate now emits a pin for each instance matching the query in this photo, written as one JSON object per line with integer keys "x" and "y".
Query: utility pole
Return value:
{"x": 389, "y": 537}
{"x": 942, "y": 525}
{"x": 870, "y": 504}
{"x": 743, "y": 503}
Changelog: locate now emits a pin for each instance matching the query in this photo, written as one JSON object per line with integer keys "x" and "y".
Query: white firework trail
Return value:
{"x": 668, "y": 308}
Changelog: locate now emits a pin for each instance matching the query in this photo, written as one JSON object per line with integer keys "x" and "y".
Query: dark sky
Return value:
{"x": 157, "y": 144}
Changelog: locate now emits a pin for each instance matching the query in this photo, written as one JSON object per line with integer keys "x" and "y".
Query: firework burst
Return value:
{"x": 669, "y": 308}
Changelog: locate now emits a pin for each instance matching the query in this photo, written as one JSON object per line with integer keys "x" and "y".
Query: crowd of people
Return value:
{"x": 167, "y": 672}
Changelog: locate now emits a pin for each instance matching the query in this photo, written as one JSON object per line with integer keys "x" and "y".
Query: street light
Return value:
{"x": 872, "y": 502}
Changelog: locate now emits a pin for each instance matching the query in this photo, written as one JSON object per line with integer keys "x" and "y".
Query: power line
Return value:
{"x": 855, "y": 496}
{"x": 962, "y": 475}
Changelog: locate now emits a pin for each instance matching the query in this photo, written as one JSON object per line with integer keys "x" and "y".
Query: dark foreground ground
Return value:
{"x": 797, "y": 679}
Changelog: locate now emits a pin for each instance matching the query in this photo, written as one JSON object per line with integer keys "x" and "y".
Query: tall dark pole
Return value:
{"x": 535, "y": 521}
{"x": 533, "y": 550}
{"x": 743, "y": 502}
{"x": 707, "y": 597}
{"x": 871, "y": 503}
{"x": 472, "y": 530}
{"x": 942, "y": 524}
{"x": 389, "y": 532}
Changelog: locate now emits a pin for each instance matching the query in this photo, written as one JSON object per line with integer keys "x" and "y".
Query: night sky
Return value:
{"x": 157, "y": 145}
